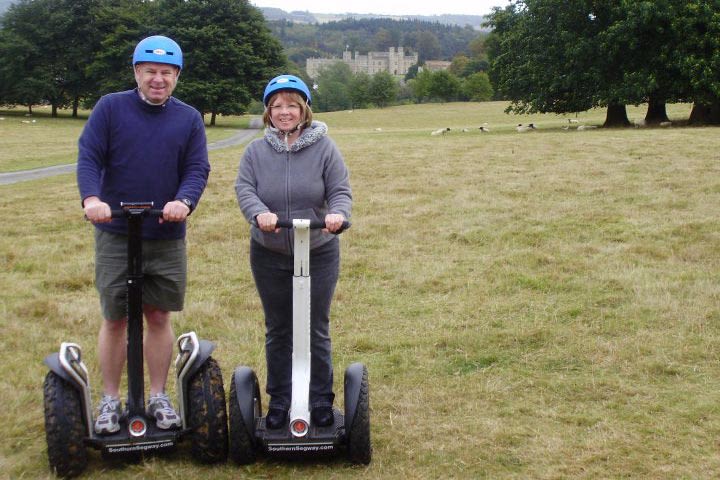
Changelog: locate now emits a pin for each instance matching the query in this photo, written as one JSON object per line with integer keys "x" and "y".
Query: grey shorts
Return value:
{"x": 164, "y": 268}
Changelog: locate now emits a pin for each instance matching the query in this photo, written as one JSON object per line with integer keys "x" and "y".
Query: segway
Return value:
{"x": 350, "y": 432}
{"x": 201, "y": 396}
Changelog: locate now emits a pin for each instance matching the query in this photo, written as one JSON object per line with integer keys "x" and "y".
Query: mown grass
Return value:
{"x": 38, "y": 140}
{"x": 539, "y": 305}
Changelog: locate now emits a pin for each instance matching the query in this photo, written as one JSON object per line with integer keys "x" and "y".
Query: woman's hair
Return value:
{"x": 305, "y": 110}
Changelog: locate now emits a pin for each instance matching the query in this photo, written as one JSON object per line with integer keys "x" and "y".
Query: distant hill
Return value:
{"x": 475, "y": 21}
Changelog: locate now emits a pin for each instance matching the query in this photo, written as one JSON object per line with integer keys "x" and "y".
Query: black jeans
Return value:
{"x": 273, "y": 273}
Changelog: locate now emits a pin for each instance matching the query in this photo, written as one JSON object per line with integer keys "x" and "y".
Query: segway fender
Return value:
{"x": 73, "y": 371}
{"x": 204, "y": 352}
{"x": 53, "y": 363}
{"x": 353, "y": 384}
{"x": 245, "y": 385}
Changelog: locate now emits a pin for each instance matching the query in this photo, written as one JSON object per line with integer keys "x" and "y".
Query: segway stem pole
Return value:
{"x": 135, "y": 213}
{"x": 301, "y": 360}
{"x": 301, "y": 357}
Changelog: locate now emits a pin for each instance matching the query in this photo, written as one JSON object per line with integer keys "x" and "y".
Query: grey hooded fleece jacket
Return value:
{"x": 307, "y": 180}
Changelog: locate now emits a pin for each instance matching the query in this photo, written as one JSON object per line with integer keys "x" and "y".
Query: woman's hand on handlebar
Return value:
{"x": 267, "y": 222}
{"x": 96, "y": 210}
{"x": 333, "y": 222}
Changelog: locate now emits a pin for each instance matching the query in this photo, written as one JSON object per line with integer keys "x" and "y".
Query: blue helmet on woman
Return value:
{"x": 286, "y": 82}
{"x": 158, "y": 49}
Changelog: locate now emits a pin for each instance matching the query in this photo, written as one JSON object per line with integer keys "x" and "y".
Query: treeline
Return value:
{"x": 338, "y": 88}
{"x": 69, "y": 52}
{"x": 430, "y": 40}
{"x": 562, "y": 57}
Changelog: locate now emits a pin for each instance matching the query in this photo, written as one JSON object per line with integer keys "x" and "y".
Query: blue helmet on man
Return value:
{"x": 286, "y": 82}
{"x": 158, "y": 49}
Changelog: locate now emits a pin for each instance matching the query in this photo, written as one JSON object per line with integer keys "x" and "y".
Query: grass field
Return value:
{"x": 38, "y": 140}
{"x": 540, "y": 305}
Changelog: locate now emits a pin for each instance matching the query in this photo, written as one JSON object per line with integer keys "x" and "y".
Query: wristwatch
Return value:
{"x": 188, "y": 203}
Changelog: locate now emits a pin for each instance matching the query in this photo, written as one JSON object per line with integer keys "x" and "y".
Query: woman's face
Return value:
{"x": 285, "y": 111}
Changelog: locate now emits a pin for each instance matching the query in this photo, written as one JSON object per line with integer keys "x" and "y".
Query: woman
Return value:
{"x": 294, "y": 171}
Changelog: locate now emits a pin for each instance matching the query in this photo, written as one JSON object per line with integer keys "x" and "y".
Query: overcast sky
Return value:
{"x": 429, "y": 7}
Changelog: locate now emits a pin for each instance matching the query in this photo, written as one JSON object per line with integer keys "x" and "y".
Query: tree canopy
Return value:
{"x": 555, "y": 56}
{"x": 65, "y": 51}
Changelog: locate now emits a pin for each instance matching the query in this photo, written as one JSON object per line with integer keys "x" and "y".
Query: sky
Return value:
{"x": 385, "y": 7}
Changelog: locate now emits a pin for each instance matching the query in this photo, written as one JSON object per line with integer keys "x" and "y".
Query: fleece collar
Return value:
{"x": 308, "y": 136}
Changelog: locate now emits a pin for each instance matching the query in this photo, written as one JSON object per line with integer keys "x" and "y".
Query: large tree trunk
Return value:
{"x": 54, "y": 111}
{"x": 656, "y": 112}
{"x": 29, "y": 109}
{"x": 616, "y": 116}
{"x": 705, "y": 114}
{"x": 212, "y": 118}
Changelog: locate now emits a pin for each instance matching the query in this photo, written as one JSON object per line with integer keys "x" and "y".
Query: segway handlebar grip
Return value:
{"x": 314, "y": 225}
{"x": 121, "y": 213}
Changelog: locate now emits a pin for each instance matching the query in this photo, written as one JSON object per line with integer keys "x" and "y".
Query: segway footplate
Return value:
{"x": 319, "y": 440}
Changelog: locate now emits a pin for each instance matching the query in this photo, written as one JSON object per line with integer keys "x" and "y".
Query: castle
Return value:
{"x": 394, "y": 61}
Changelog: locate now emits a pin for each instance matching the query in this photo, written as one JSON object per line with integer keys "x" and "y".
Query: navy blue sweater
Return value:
{"x": 130, "y": 151}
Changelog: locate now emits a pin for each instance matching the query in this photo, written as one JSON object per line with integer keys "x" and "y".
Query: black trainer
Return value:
{"x": 276, "y": 418}
{"x": 322, "y": 416}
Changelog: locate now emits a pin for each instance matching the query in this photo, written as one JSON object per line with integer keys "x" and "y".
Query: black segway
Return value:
{"x": 201, "y": 395}
{"x": 350, "y": 431}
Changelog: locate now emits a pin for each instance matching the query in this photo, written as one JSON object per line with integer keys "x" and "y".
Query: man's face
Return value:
{"x": 156, "y": 81}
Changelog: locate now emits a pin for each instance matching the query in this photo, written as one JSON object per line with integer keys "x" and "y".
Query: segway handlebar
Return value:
{"x": 125, "y": 213}
{"x": 136, "y": 208}
{"x": 314, "y": 225}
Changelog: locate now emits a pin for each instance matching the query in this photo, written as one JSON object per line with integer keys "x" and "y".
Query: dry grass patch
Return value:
{"x": 538, "y": 305}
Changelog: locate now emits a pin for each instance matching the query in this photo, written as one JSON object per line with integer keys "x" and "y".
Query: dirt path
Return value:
{"x": 242, "y": 136}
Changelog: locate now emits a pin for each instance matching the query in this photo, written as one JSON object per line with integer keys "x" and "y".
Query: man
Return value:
{"x": 142, "y": 145}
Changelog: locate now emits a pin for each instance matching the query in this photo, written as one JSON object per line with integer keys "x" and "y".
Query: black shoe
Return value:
{"x": 276, "y": 418}
{"x": 322, "y": 416}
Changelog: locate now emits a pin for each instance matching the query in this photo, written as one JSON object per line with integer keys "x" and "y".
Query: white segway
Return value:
{"x": 350, "y": 432}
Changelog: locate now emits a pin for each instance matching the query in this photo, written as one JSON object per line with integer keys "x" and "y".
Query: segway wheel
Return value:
{"x": 359, "y": 446}
{"x": 207, "y": 414}
{"x": 243, "y": 448}
{"x": 64, "y": 427}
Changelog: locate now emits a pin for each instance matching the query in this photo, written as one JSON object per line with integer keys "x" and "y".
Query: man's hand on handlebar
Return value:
{"x": 175, "y": 211}
{"x": 96, "y": 210}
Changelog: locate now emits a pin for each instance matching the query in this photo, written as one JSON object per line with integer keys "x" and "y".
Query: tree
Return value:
{"x": 459, "y": 65}
{"x": 384, "y": 39}
{"x": 44, "y": 30}
{"x": 383, "y": 89}
{"x": 549, "y": 56}
{"x": 555, "y": 56}
{"x": 229, "y": 54}
{"x": 477, "y": 87}
{"x": 123, "y": 23}
{"x": 333, "y": 88}
{"x": 428, "y": 46}
{"x": 16, "y": 59}
{"x": 444, "y": 86}
{"x": 539, "y": 55}
{"x": 420, "y": 85}
{"x": 360, "y": 89}
{"x": 700, "y": 58}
